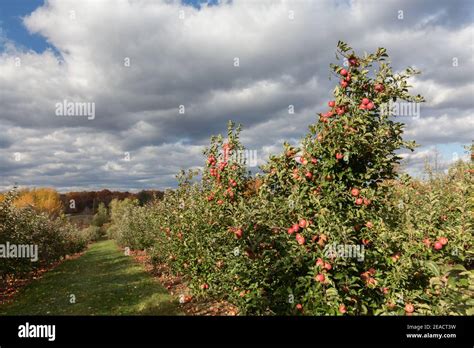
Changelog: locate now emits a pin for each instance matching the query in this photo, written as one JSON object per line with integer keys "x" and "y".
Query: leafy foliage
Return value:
{"x": 262, "y": 243}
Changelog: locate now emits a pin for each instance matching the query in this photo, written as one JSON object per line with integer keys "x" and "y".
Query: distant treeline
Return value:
{"x": 48, "y": 200}
{"x": 87, "y": 202}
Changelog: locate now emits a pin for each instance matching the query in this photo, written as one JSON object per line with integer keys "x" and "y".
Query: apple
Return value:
{"x": 238, "y": 233}
{"x": 409, "y": 308}
{"x": 343, "y": 84}
{"x": 204, "y": 286}
{"x": 319, "y": 262}
{"x": 367, "y": 202}
{"x": 343, "y": 72}
{"x": 342, "y": 309}
{"x": 291, "y": 230}
{"x": 300, "y": 239}
{"x": 332, "y": 104}
{"x": 427, "y": 242}
{"x": 438, "y": 246}
{"x": 369, "y": 224}
{"x": 353, "y": 61}
{"x": 379, "y": 87}
{"x": 365, "y": 101}
{"x": 443, "y": 240}
{"x": 309, "y": 175}
{"x": 327, "y": 266}
{"x": 355, "y": 192}
{"x": 314, "y": 160}
{"x": 339, "y": 156}
{"x": 320, "y": 278}
{"x": 303, "y": 223}
{"x": 370, "y": 106}
{"x": 220, "y": 202}
{"x": 296, "y": 227}
{"x": 299, "y": 307}
{"x": 359, "y": 201}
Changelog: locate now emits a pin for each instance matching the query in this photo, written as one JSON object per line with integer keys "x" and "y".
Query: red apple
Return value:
{"x": 320, "y": 278}
{"x": 300, "y": 239}
{"x": 359, "y": 201}
{"x": 343, "y": 84}
{"x": 332, "y": 104}
{"x": 355, "y": 192}
{"x": 370, "y": 106}
{"x": 379, "y": 88}
{"x": 327, "y": 266}
{"x": 238, "y": 233}
{"x": 409, "y": 308}
{"x": 296, "y": 228}
{"x": 365, "y": 101}
{"x": 339, "y": 156}
{"x": 438, "y": 246}
{"x": 303, "y": 223}
{"x": 319, "y": 262}
{"x": 342, "y": 308}
{"x": 343, "y": 72}
{"x": 443, "y": 240}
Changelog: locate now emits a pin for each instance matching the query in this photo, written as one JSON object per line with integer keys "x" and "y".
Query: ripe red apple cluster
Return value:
{"x": 296, "y": 228}
{"x": 366, "y": 104}
{"x": 438, "y": 245}
{"x": 347, "y": 78}
{"x": 355, "y": 192}
{"x": 368, "y": 277}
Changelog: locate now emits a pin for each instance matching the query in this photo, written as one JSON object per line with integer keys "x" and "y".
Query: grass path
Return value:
{"x": 103, "y": 282}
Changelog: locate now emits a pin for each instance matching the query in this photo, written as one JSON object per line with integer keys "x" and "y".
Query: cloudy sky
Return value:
{"x": 139, "y": 60}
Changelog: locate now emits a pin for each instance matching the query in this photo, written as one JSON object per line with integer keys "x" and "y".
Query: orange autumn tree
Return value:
{"x": 42, "y": 200}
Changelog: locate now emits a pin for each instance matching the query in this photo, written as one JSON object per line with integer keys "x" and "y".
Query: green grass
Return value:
{"x": 104, "y": 282}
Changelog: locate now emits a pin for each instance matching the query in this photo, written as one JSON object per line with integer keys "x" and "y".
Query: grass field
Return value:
{"x": 103, "y": 281}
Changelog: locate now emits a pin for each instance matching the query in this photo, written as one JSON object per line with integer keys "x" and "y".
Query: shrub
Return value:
{"x": 55, "y": 238}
